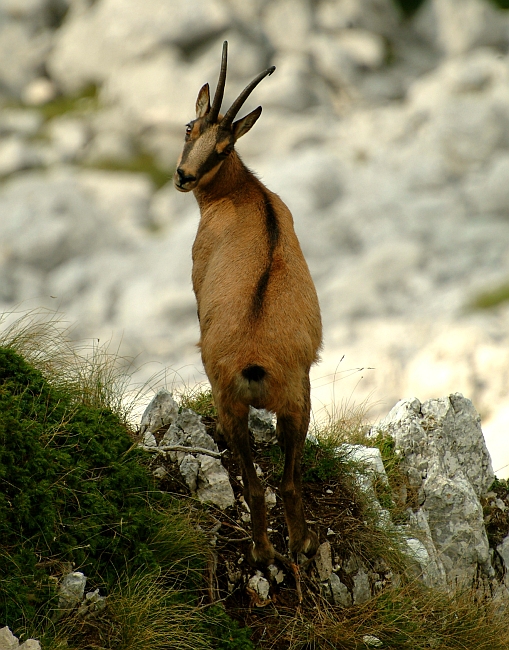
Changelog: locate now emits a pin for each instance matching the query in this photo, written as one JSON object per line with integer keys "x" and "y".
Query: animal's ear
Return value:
{"x": 242, "y": 126}
{"x": 203, "y": 102}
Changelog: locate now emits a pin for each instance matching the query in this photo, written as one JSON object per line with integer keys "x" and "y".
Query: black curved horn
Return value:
{"x": 218, "y": 97}
{"x": 237, "y": 104}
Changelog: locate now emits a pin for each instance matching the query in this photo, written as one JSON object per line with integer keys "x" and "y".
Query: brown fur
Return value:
{"x": 257, "y": 306}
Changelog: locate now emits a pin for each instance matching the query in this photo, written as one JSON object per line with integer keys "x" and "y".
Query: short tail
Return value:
{"x": 253, "y": 373}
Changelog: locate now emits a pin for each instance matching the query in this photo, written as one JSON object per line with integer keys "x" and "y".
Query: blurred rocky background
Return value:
{"x": 385, "y": 129}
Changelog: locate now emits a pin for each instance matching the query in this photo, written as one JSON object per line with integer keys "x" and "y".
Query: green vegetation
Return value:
{"x": 411, "y": 617}
{"x": 502, "y": 4}
{"x": 76, "y": 494}
{"x": 491, "y": 298}
{"x": 200, "y": 400}
{"x": 408, "y": 7}
{"x": 83, "y": 102}
{"x": 141, "y": 163}
{"x": 74, "y": 491}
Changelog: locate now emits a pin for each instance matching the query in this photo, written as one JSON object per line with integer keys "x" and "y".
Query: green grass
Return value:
{"x": 77, "y": 494}
{"x": 83, "y": 102}
{"x": 408, "y": 7}
{"x": 140, "y": 163}
{"x": 490, "y": 299}
{"x": 199, "y": 399}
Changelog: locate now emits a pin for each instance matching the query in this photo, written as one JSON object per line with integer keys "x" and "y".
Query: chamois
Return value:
{"x": 258, "y": 311}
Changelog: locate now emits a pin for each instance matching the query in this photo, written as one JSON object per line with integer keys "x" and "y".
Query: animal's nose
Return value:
{"x": 183, "y": 178}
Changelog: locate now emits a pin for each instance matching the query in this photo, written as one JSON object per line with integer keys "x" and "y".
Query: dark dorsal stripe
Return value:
{"x": 272, "y": 230}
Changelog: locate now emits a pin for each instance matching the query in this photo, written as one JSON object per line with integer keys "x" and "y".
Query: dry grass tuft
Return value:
{"x": 90, "y": 372}
{"x": 411, "y": 617}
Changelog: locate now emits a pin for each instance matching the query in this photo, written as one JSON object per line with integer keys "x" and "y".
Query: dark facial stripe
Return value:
{"x": 272, "y": 227}
{"x": 213, "y": 160}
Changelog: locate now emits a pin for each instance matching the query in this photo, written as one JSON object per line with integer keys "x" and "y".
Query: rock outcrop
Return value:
{"x": 447, "y": 470}
{"x": 388, "y": 139}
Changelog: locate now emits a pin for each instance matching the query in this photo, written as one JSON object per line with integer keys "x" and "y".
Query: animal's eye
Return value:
{"x": 189, "y": 128}
{"x": 226, "y": 151}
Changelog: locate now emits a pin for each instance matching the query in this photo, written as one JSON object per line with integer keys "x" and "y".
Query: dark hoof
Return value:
{"x": 307, "y": 547}
{"x": 258, "y": 556}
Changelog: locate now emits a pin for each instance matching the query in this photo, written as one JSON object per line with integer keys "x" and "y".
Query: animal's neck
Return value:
{"x": 231, "y": 177}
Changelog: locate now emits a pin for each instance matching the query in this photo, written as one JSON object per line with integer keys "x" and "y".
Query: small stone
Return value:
{"x": 361, "y": 587}
{"x": 270, "y": 498}
{"x": 72, "y": 590}
{"x": 261, "y": 425}
{"x": 92, "y": 603}
{"x": 30, "y": 644}
{"x": 323, "y": 561}
{"x": 276, "y": 574}
{"x": 7, "y": 639}
{"x": 329, "y": 491}
{"x": 372, "y": 641}
{"x": 330, "y": 532}
{"x": 38, "y": 92}
{"x": 260, "y": 585}
{"x": 340, "y": 594}
{"x": 160, "y": 472}
{"x": 161, "y": 410}
{"x": 149, "y": 440}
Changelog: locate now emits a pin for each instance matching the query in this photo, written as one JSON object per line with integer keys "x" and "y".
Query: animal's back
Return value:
{"x": 258, "y": 306}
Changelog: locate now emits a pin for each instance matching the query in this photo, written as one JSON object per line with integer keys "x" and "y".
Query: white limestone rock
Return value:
{"x": 297, "y": 18}
{"x": 378, "y": 16}
{"x": 71, "y": 590}
{"x": 361, "y": 587}
{"x": 10, "y": 642}
{"x": 422, "y": 550}
{"x": 441, "y": 440}
{"x": 30, "y": 644}
{"x": 339, "y": 592}
{"x": 38, "y": 92}
{"x": 503, "y": 551}
{"x": 295, "y": 88}
{"x": 205, "y": 476}
{"x": 15, "y": 155}
{"x": 323, "y": 561}
{"x": 262, "y": 425}
{"x": 7, "y": 639}
{"x": 22, "y": 49}
{"x": 69, "y": 138}
{"x": 162, "y": 409}
{"x": 93, "y": 45}
{"x": 457, "y": 28}
{"x": 22, "y": 122}
{"x": 260, "y": 585}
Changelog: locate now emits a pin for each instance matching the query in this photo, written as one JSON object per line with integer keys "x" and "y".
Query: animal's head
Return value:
{"x": 211, "y": 137}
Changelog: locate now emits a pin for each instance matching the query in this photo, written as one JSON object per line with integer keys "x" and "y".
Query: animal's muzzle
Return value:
{"x": 182, "y": 178}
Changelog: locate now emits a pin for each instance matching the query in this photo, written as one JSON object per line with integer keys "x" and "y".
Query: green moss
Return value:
{"x": 86, "y": 100}
{"x": 143, "y": 163}
{"x": 73, "y": 492}
{"x": 408, "y": 7}
{"x": 490, "y": 299}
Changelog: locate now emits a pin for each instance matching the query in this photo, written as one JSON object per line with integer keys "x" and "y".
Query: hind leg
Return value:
{"x": 235, "y": 430}
{"x": 292, "y": 428}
